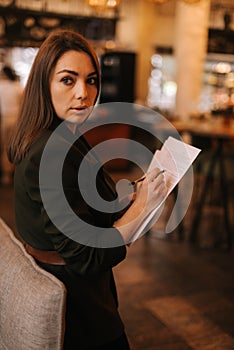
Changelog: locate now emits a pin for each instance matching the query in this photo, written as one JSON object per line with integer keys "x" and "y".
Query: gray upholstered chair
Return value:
{"x": 32, "y": 301}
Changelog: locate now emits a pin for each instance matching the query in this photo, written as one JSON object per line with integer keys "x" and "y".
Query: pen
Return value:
{"x": 143, "y": 178}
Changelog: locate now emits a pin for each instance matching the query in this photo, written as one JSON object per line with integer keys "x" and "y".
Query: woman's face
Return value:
{"x": 73, "y": 87}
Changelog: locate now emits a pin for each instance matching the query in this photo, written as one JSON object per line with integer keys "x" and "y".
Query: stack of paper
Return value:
{"x": 175, "y": 158}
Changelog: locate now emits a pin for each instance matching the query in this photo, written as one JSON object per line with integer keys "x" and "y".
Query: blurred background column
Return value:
{"x": 191, "y": 34}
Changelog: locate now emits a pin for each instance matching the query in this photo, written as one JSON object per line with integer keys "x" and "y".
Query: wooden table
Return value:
{"x": 220, "y": 132}
{"x": 213, "y": 127}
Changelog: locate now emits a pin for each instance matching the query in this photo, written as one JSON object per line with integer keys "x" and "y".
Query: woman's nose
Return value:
{"x": 81, "y": 91}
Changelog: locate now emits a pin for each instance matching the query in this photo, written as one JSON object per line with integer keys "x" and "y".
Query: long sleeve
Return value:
{"x": 73, "y": 228}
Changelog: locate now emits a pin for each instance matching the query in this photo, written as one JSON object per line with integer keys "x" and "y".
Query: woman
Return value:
{"x": 62, "y": 87}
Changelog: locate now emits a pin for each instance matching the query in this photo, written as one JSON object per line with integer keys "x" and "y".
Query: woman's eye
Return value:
{"x": 92, "y": 81}
{"x": 67, "y": 80}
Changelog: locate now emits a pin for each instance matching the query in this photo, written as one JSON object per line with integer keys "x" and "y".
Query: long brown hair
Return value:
{"x": 37, "y": 111}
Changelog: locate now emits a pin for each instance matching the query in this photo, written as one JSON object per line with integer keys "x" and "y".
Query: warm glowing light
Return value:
{"x": 103, "y": 3}
{"x": 112, "y": 3}
{"x": 223, "y": 67}
{"x": 97, "y": 3}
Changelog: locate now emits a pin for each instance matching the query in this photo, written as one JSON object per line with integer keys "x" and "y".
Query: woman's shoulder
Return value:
{"x": 39, "y": 143}
{"x": 52, "y": 144}
{"x": 48, "y": 138}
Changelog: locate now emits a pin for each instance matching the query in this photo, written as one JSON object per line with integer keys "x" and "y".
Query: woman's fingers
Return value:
{"x": 154, "y": 174}
{"x": 161, "y": 189}
{"x": 153, "y": 185}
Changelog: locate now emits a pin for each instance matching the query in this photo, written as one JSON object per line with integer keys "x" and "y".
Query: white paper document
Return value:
{"x": 175, "y": 158}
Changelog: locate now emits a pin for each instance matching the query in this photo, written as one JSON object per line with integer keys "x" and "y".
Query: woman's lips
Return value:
{"x": 79, "y": 109}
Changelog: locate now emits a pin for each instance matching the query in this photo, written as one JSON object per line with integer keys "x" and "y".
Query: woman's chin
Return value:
{"x": 78, "y": 118}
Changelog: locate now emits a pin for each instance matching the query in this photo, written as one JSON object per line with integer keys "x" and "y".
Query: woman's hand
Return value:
{"x": 151, "y": 191}
{"x": 149, "y": 194}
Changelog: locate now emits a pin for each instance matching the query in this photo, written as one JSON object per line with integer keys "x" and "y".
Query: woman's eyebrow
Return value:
{"x": 93, "y": 73}
{"x": 67, "y": 71}
{"x": 74, "y": 73}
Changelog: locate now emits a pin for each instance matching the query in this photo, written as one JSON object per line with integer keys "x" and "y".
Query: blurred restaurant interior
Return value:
{"x": 173, "y": 60}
